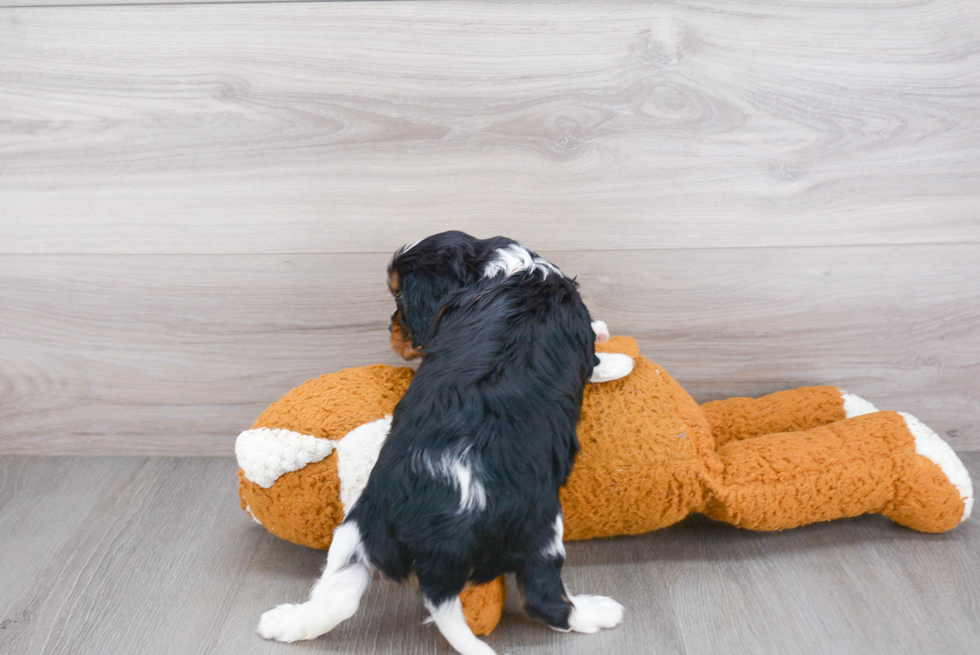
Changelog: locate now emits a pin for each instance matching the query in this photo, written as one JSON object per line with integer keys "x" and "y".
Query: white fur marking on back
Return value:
{"x": 931, "y": 446}
{"x": 855, "y": 405}
{"x": 612, "y": 366}
{"x": 514, "y": 259}
{"x": 357, "y": 454}
{"x": 407, "y": 248}
{"x": 557, "y": 547}
{"x": 457, "y": 469}
{"x": 472, "y": 494}
{"x": 264, "y": 454}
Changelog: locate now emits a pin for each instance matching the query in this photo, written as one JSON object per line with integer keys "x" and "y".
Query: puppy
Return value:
{"x": 466, "y": 485}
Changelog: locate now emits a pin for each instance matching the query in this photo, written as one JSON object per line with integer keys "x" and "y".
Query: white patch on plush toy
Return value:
{"x": 931, "y": 446}
{"x": 356, "y": 455}
{"x": 612, "y": 366}
{"x": 264, "y": 454}
{"x": 855, "y": 405}
{"x": 514, "y": 259}
{"x": 601, "y": 331}
{"x": 249, "y": 510}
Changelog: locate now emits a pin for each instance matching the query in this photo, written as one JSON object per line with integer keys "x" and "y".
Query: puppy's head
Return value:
{"x": 424, "y": 275}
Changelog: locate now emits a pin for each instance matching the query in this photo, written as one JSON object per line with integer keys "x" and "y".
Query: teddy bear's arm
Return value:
{"x": 783, "y": 411}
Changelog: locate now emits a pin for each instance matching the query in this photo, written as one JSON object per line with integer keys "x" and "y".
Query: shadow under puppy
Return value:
{"x": 466, "y": 484}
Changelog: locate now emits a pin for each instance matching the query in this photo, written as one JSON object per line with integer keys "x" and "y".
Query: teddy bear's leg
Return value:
{"x": 483, "y": 605}
{"x": 885, "y": 462}
{"x": 783, "y": 411}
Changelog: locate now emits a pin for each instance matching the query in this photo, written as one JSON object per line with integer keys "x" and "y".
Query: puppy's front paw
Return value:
{"x": 291, "y": 623}
{"x": 594, "y": 613}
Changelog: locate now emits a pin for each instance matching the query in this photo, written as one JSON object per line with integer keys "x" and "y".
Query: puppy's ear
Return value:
{"x": 437, "y": 268}
{"x": 423, "y": 296}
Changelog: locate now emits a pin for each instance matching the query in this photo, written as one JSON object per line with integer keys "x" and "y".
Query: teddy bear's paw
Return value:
{"x": 612, "y": 366}
{"x": 934, "y": 492}
{"x": 855, "y": 405}
{"x": 292, "y": 622}
{"x": 594, "y": 613}
{"x": 601, "y": 331}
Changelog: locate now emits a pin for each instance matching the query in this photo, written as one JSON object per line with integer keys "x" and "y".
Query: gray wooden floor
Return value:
{"x": 152, "y": 555}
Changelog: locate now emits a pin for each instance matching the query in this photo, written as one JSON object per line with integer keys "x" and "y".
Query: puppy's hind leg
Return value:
{"x": 544, "y": 596}
{"x": 441, "y": 579}
{"x": 447, "y": 614}
{"x": 334, "y": 598}
{"x": 545, "y": 599}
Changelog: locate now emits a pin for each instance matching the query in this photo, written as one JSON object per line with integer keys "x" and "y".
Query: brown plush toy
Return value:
{"x": 650, "y": 455}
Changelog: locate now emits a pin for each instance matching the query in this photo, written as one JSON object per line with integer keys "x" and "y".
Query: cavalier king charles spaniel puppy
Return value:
{"x": 466, "y": 484}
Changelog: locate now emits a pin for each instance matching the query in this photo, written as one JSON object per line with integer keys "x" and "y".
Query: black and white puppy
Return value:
{"x": 466, "y": 485}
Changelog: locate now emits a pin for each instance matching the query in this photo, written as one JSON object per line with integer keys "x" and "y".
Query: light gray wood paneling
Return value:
{"x": 174, "y": 354}
{"x": 166, "y": 562}
{"x": 345, "y": 127}
{"x": 897, "y": 325}
{"x": 61, "y": 4}
{"x": 177, "y": 354}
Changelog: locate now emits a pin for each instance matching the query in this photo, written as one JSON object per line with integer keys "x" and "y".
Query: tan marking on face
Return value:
{"x": 401, "y": 342}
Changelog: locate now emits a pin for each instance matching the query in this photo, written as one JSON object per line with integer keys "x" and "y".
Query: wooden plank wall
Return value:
{"x": 197, "y": 201}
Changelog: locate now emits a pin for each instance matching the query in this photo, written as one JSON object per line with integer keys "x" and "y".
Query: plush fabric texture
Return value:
{"x": 783, "y": 411}
{"x": 483, "y": 604}
{"x": 642, "y": 442}
{"x": 650, "y": 455}
{"x": 334, "y": 404}
{"x": 304, "y": 506}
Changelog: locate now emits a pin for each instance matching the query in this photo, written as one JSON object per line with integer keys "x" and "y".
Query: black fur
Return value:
{"x": 432, "y": 270}
{"x": 505, "y": 363}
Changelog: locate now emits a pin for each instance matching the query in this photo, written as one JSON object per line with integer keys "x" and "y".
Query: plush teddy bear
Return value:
{"x": 650, "y": 455}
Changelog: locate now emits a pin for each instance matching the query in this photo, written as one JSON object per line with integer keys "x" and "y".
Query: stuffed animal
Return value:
{"x": 650, "y": 455}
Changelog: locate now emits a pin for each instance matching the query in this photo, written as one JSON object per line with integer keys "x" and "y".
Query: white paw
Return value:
{"x": 601, "y": 330}
{"x": 594, "y": 613}
{"x": 292, "y": 623}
